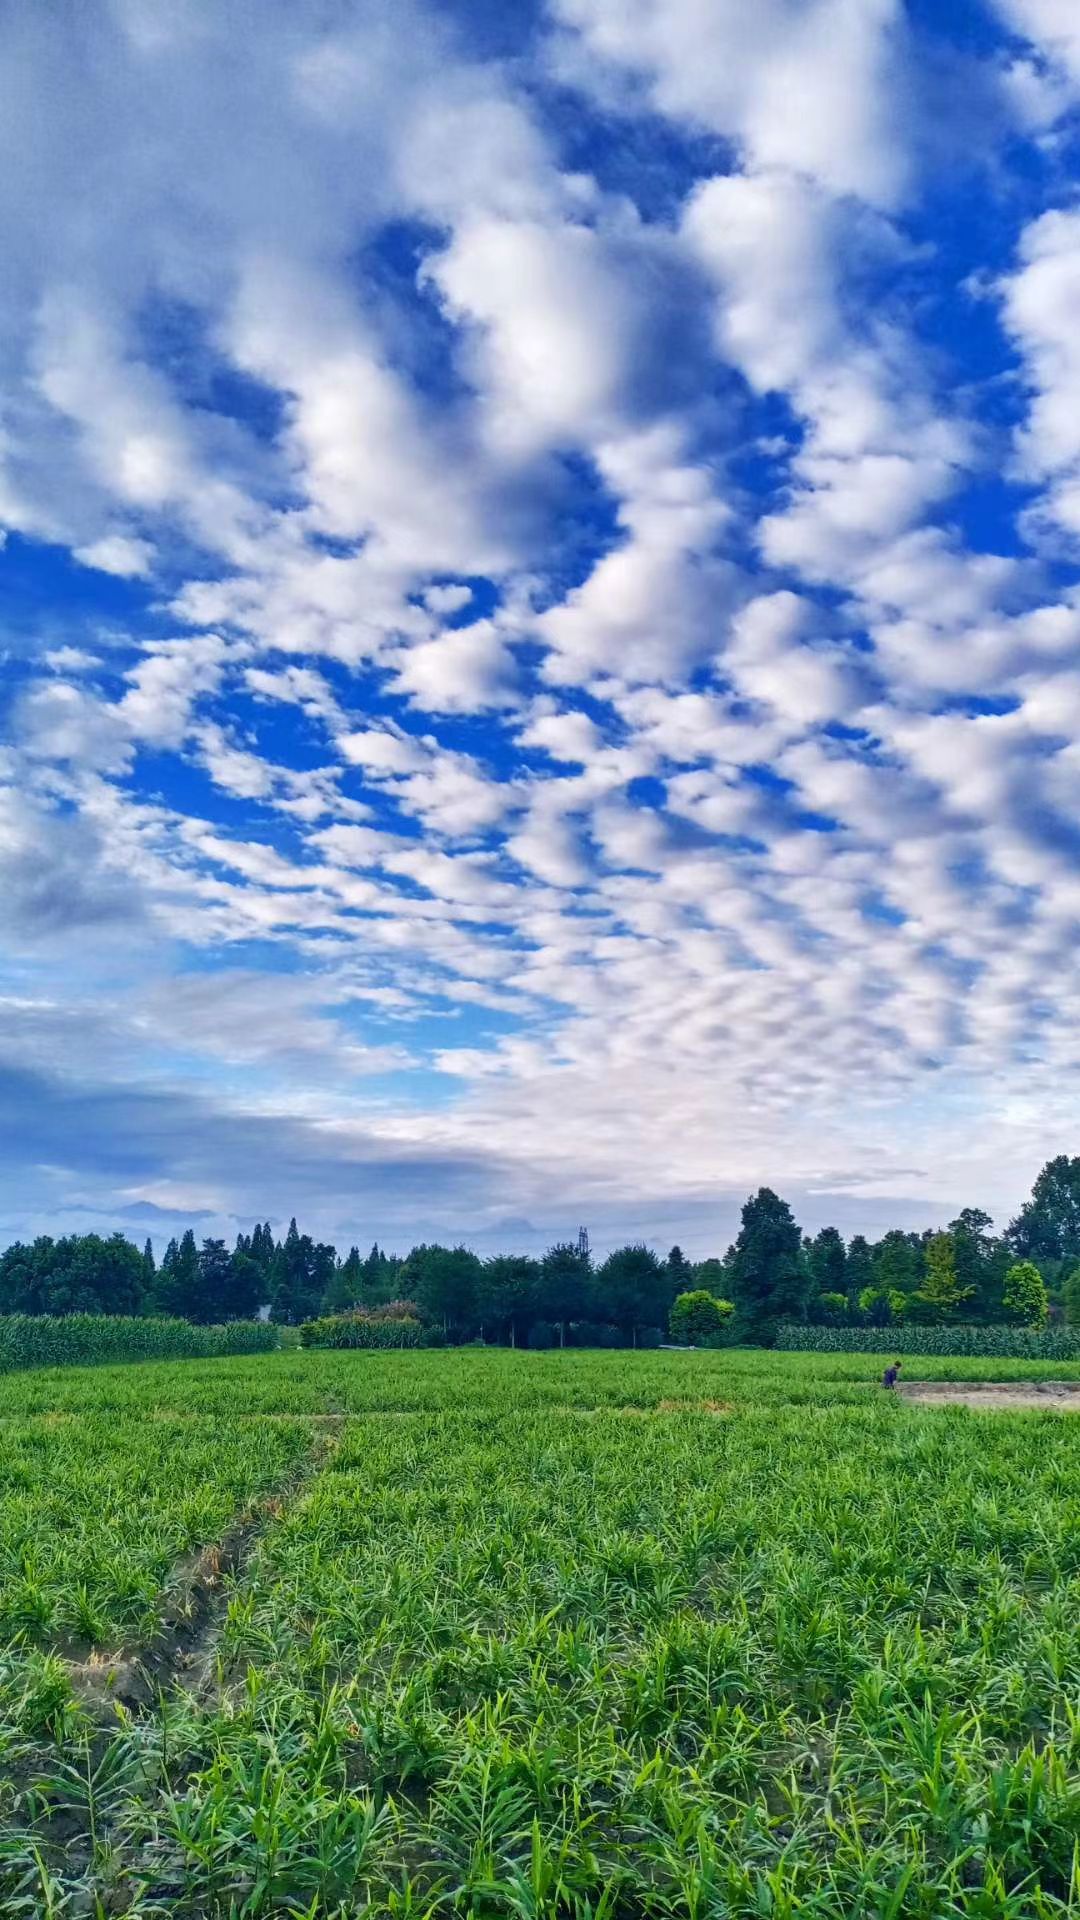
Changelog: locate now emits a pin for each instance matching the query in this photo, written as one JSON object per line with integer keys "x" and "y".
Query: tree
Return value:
{"x": 177, "y": 1283}
{"x": 860, "y": 1266}
{"x": 826, "y": 1260}
{"x": 630, "y": 1290}
{"x": 1071, "y": 1297}
{"x": 898, "y": 1262}
{"x": 566, "y": 1275}
{"x": 697, "y": 1319}
{"x": 680, "y": 1272}
{"x": 299, "y": 1276}
{"x": 343, "y": 1288}
{"x": 79, "y": 1273}
{"x": 148, "y": 1264}
{"x": 941, "y": 1296}
{"x": 444, "y": 1282}
{"x": 768, "y": 1273}
{"x": 981, "y": 1260}
{"x": 506, "y": 1297}
{"x": 1048, "y": 1225}
{"x": 712, "y": 1274}
{"x": 213, "y": 1295}
{"x": 1024, "y": 1297}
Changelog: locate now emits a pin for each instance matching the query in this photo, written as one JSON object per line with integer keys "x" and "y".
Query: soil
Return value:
{"x": 995, "y": 1396}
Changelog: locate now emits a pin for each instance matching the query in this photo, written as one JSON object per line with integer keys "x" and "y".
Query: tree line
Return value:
{"x": 771, "y": 1272}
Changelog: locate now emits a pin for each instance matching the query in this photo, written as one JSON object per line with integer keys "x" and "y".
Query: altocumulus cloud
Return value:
{"x": 542, "y": 641}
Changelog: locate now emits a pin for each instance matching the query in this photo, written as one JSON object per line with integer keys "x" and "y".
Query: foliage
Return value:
{"x": 941, "y": 1296}
{"x": 1071, "y": 1297}
{"x": 768, "y": 1273}
{"x": 1048, "y": 1226}
{"x": 89, "y": 1339}
{"x": 503, "y": 1659}
{"x": 80, "y": 1273}
{"x": 1047, "y": 1343}
{"x": 1024, "y": 1298}
{"x": 698, "y": 1319}
{"x": 368, "y": 1330}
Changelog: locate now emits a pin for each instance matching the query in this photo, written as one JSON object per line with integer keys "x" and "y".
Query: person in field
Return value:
{"x": 891, "y": 1374}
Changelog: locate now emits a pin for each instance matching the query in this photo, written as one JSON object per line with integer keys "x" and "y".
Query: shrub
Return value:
{"x": 368, "y": 1330}
{"x": 698, "y": 1319}
{"x": 1006, "y": 1343}
{"x": 92, "y": 1339}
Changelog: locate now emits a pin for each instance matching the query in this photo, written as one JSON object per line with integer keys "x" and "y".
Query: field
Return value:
{"x": 595, "y": 1635}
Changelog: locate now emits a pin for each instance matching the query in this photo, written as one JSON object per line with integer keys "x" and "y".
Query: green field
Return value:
{"x": 583, "y": 1635}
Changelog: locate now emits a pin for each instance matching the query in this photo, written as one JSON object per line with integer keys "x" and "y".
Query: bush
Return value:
{"x": 1005, "y": 1343}
{"x": 94, "y": 1339}
{"x": 368, "y": 1330}
{"x": 698, "y": 1319}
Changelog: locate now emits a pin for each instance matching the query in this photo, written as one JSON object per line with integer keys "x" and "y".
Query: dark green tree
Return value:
{"x": 1048, "y": 1225}
{"x": 444, "y": 1282}
{"x": 566, "y": 1287}
{"x": 631, "y": 1290}
{"x": 506, "y": 1297}
{"x": 860, "y": 1266}
{"x": 827, "y": 1261}
{"x": 768, "y": 1273}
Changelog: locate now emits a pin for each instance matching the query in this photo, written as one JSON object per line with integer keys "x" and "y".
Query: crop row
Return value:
{"x": 96, "y": 1511}
{"x": 781, "y": 1659}
{"x": 1021, "y": 1343}
{"x": 90, "y": 1339}
{"x": 490, "y": 1378}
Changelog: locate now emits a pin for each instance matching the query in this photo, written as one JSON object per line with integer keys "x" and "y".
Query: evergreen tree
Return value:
{"x": 343, "y": 1290}
{"x": 768, "y": 1274}
{"x": 827, "y": 1261}
{"x": 148, "y": 1262}
{"x": 860, "y": 1266}
{"x": 1048, "y": 1226}
{"x": 898, "y": 1262}
{"x": 680, "y": 1272}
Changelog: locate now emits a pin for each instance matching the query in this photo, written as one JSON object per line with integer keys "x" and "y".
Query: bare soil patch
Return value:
{"x": 995, "y": 1396}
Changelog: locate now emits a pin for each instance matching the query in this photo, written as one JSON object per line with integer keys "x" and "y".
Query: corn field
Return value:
{"x": 574, "y": 1636}
{"x": 90, "y": 1339}
{"x": 1028, "y": 1343}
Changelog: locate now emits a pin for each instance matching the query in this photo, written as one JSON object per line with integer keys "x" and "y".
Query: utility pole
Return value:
{"x": 583, "y": 1243}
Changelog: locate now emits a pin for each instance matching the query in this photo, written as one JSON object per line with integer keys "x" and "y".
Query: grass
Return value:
{"x": 546, "y": 1635}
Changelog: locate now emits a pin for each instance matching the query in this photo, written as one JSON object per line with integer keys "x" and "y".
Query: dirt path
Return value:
{"x": 995, "y": 1396}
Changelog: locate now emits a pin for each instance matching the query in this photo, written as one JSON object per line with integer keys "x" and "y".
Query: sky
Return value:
{"x": 539, "y": 614}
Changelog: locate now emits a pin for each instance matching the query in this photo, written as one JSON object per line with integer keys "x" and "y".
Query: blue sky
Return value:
{"x": 540, "y": 615}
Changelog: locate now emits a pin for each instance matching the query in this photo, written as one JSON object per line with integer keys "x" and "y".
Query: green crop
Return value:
{"x": 87, "y": 1339}
{"x": 1022, "y": 1343}
{"x": 582, "y": 1636}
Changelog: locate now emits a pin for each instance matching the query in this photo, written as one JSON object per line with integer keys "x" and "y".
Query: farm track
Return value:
{"x": 124, "y": 1691}
{"x": 183, "y": 1651}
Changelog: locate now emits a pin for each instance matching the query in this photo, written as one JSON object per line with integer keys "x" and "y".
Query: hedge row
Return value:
{"x": 89, "y": 1339}
{"x": 1005, "y": 1343}
{"x": 352, "y": 1330}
